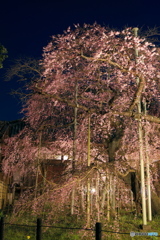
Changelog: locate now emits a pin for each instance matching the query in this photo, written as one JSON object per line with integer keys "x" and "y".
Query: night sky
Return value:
{"x": 26, "y": 26}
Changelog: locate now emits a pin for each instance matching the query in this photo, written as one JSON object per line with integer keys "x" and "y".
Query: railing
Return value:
{"x": 38, "y": 234}
{"x": 38, "y": 227}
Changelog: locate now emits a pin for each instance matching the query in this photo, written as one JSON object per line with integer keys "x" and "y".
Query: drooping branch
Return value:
{"x": 138, "y": 93}
{"x": 125, "y": 70}
{"x": 137, "y": 116}
{"x": 134, "y": 115}
{"x": 139, "y": 76}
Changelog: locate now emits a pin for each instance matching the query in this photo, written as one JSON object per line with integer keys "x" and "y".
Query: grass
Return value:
{"x": 124, "y": 224}
{"x": 130, "y": 223}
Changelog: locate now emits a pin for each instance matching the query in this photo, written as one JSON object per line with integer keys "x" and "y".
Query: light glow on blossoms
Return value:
{"x": 83, "y": 108}
{"x": 100, "y": 63}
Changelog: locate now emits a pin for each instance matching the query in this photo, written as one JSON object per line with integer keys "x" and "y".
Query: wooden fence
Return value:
{"x": 3, "y": 194}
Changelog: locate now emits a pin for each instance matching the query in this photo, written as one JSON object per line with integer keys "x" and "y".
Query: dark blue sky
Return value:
{"x": 27, "y": 25}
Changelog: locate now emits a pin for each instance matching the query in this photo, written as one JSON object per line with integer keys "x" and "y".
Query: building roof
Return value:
{"x": 11, "y": 128}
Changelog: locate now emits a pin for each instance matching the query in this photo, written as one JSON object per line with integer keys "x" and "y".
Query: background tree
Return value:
{"x": 3, "y": 54}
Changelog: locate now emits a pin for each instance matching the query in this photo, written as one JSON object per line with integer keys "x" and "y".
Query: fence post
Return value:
{"x": 38, "y": 232}
{"x": 1, "y": 228}
{"x": 98, "y": 231}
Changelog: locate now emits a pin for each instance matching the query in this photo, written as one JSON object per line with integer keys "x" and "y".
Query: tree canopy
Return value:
{"x": 94, "y": 69}
{"x": 84, "y": 104}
